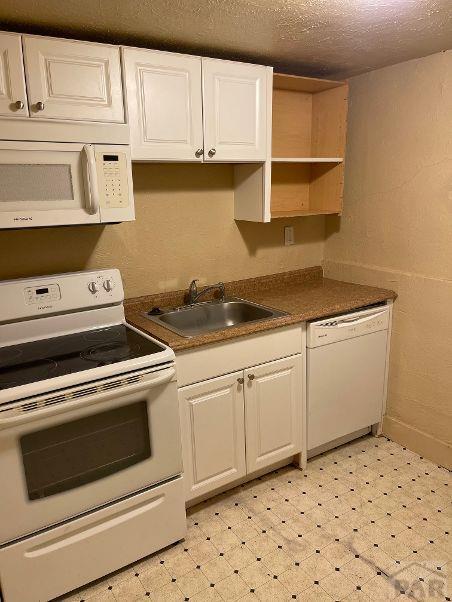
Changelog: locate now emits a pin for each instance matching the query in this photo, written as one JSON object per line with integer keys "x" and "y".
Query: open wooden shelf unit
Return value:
{"x": 307, "y": 159}
{"x": 309, "y": 121}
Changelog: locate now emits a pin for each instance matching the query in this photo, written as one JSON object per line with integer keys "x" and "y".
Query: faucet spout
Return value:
{"x": 194, "y": 295}
{"x": 192, "y": 292}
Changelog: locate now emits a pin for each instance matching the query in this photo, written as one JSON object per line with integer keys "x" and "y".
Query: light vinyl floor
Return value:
{"x": 367, "y": 521}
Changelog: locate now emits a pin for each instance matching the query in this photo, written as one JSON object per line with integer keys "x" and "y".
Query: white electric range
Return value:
{"x": 90, "y": 453}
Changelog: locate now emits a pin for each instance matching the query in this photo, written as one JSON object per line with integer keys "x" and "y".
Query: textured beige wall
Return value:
{"x": 184, "y": 229}
{"x": 396, "y": 232}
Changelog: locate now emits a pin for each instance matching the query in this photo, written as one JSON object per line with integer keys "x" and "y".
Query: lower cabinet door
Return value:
{"x": 273, "y": 401}
{"x": 213, "y": 433}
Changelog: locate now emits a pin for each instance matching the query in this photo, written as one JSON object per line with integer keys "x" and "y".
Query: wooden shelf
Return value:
{"x": 308, "y": 140}
{"x": 282, "y": 81}
{"x": 307, "y": 159}
{"x": 281, "y": 214}
{"x": 304, "y": 172}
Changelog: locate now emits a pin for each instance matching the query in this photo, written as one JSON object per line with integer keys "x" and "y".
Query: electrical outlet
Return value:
{"x": 289, "y": 237}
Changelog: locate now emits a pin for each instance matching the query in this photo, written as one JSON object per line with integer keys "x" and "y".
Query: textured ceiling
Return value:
{"x": 314, "y": 37}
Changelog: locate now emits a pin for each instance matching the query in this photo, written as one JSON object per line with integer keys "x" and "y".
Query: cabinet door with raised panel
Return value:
{"x": 13, "y": 96}
{"x": 164, "y": 105}
{"x": 213, "y": 433}
{"x": 72, "y": 80}
{"x": 235, "y": 111}
{"x": 273, "y": 411}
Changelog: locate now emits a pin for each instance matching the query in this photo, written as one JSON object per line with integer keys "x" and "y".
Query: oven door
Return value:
{"x": 46, "y": 184}
{"x": 77, "y": 449}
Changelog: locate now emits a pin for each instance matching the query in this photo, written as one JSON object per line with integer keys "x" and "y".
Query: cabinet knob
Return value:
{"x": 212, "y": 152}
{"x": 39, "y": 106}
{"x": 199, "y": 152}
{"x": 240, "y": 381}
{"x": 251, "y": 376}
{"x": 19, "y": 104}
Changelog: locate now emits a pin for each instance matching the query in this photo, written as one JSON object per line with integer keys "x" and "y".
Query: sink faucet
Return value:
{"x": 194, "y": 295}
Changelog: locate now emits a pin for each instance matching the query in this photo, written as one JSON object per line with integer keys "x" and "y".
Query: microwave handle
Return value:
{"x": 91, "y": 179}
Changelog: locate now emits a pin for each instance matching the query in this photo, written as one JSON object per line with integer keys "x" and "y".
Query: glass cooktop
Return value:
{"x": 38, "y": 360}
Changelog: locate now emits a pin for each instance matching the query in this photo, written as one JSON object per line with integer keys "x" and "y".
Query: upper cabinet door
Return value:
{"x": 235, "y": 111}
{"x": 13, "y": 96}
{"x": 273, "y": 416}
{"x": 71, "y": 80}
{"x": 164, "y": 105}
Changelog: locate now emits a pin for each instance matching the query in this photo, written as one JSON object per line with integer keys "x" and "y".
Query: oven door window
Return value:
{"x": 75, "y": 453}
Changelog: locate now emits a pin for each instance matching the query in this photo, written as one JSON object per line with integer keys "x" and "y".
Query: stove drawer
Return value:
{"x": 71, "y": 555}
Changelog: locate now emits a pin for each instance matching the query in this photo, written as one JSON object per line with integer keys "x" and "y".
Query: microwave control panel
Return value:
{"x": 113, "y": 179}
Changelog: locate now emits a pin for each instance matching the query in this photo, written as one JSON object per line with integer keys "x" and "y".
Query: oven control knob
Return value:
{"x": 108, "y": 285}
{"x": 92, "y": 287}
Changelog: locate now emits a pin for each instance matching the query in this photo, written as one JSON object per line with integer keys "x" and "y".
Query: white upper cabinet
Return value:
{"x": 13, "y": 96}
{"x": 177, "y": 107}
{"x": 164, "y": 105}
{"x": 235, "y": 106}
{"x": 273, "y": 402}
{"x": 177, "y": 114}
{"x": 70, "y": 80}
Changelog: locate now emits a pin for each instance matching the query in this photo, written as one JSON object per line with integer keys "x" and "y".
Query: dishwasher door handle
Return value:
{"x": 357, "y": 320}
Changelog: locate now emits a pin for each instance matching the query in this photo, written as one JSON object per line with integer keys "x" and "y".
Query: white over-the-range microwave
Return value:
{"x": 53, "y": 183}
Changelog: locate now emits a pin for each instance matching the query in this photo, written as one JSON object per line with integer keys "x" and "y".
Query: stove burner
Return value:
{"x": 99, "y": 335}
{"x": 37, "y": 370}
{"x": 116, "y": 351}
{"x": 8, "y": 356}
{"x": 43, "y": 359}
{"x": 10, "y": 384}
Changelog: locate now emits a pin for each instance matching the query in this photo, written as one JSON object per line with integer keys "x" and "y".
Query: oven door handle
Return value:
{"x": 91, "y": 183}
{"x": 28, "y": 416}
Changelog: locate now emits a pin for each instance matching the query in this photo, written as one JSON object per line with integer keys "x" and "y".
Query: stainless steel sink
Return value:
{"x": 192, "y": 320}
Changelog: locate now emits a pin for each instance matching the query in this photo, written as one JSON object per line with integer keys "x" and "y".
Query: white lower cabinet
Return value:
{"x": 273, "y": 403}
{"x": 213, "y": 433}
{"x": 239, "y": 423}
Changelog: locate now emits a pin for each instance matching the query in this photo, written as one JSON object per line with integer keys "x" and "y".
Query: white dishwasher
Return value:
{"x": 346, "y": 367}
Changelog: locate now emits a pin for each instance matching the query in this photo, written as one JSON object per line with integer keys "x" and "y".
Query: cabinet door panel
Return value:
{"x": 235, "y": 111}
{"x": 12, "y": 78}
{"x": 213, "y": 433}
{"x": 273, "y": 416}
{"x": 164, "y": 105}
{"x": 74, "y": 80}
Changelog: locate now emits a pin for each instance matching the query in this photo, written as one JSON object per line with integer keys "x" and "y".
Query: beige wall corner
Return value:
{"x": 422, "y": 443}
{"x": 396, "y": 232}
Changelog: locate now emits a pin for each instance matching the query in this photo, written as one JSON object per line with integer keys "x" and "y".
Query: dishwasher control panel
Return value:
{"x": 347, "y": 326}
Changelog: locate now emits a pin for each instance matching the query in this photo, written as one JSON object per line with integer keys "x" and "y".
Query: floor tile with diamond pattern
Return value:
{"x": 367, "y": 521}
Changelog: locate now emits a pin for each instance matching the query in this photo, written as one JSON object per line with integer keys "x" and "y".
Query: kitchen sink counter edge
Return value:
{"x": 304, "y": 294}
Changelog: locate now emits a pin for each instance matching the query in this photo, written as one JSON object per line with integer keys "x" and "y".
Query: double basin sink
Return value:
{"x": 197, "y": 319}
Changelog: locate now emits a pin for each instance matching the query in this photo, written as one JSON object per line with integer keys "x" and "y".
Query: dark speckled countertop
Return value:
{"x": 303, "y": 294}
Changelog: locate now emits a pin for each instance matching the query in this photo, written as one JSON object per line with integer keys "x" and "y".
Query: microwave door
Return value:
{"x": 47, "y": 185}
